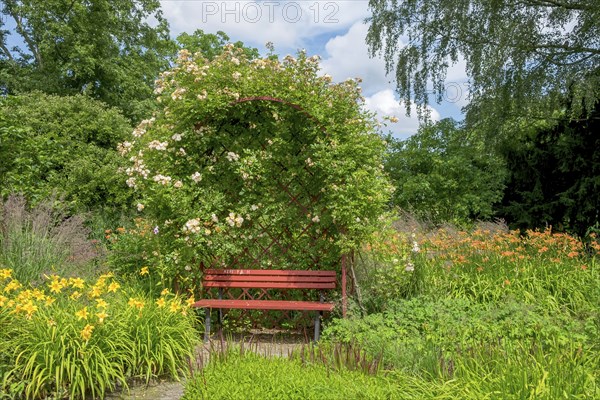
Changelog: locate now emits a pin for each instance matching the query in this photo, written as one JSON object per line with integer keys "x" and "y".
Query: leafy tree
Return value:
{"x": 107, "y": 49}
{"x": 444, "y": 173}
{"x": 523, "y": 57}
{"x": 63, "y": 145}
{"x": 554, "y": 176}
{"x": 210, "y": 44}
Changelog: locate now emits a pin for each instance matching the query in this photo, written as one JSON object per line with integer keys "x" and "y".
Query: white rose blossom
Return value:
{"x": 231, "y": 156}
{"x": 234, "y": 220}
{"x": 196, "y": 177}
{"x": 415, "y": 247}
{"x": 162, "y": 179}
{"x": 131, "y": 182}
{"x": 203, "y": 95}
{"x": 124, "y": 148}
{"x": 192, "y": 226}
{"x": 178, "y": 94}
{"x": 158, "y": 145}
{"x": 138, "y": 132}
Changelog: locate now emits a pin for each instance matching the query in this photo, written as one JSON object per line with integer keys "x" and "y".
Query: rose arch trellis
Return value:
{"x": 307, "y": 236}
{"x": 255, "y": 164}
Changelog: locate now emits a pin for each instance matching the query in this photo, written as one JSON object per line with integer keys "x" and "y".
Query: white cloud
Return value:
{"x": 348, "y": 57}
{"x": 385, "y": 104}
{"x": 290, "y": 25}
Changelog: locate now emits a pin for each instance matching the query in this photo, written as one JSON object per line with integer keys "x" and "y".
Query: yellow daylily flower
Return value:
{"x": 101, "y": 316}
{"x": 174, "y": 307}
{"x": 190, "y": 301}
{"x": 5, "y": 273}
{"x": 29, "y": 308}
{"x": 38, "y": 295}
{"x": 12, "y": 285}
{"x": 86, "y": 333}
{"x": 113, "y": 287}
{"x": 96, "y": 291}
{"x": 77, "y": 283}
{"x": 82, "y": 314}
{"x": 55, "y": 286}
{"x": 49, "y": 300}
{"x": 101, "y": 303}
{"x": 135, "y": 303}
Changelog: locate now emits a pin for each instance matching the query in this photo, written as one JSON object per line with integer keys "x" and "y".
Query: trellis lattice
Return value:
{"x": 304, "y": 236}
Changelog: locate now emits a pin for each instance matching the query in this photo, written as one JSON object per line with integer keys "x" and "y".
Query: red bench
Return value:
{"x": 246, "y": 279}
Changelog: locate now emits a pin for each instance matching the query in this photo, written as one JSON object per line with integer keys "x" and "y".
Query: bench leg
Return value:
{"x": 207, "y": 325}
{"x": 318, "y": 326}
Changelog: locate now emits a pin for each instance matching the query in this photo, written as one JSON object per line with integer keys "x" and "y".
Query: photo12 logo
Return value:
{"x": 453, "y": 92}
{"x": 270, "y": 11}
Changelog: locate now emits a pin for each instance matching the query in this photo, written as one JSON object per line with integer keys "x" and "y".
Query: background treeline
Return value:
{"x": 543, "y": 174}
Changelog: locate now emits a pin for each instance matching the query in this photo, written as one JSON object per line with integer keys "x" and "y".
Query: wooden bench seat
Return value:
{"x": 246, "y": 279}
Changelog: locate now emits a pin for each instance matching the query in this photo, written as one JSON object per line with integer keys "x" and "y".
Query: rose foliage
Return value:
{"x": 260, "y": 158}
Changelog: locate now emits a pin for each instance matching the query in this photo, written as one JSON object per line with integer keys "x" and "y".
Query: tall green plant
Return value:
{"x": 43, "y": 240}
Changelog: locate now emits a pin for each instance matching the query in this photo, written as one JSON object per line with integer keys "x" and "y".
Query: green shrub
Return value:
{"x": 64, "y": 145}
{"x": 514, "y": 349}
{"x": 499, "y": 315}
{"x": 75, "y": 338}
{"x": 246, "y": 151}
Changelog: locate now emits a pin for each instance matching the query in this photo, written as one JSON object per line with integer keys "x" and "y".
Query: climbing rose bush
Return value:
{"x": 234, "y": 143}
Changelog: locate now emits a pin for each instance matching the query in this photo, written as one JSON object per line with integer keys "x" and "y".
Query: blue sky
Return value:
{"x": 334, "y": 30}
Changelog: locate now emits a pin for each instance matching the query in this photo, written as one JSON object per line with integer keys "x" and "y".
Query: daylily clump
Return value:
{"x": 90, "y": 300}
{"x": 71, "y": 337}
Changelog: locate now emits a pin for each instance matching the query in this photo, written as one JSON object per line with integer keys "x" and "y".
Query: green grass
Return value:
{"x": 249, "y": 376}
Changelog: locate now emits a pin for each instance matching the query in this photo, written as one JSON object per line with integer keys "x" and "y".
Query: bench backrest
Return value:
{"x": 268, "y": 279}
